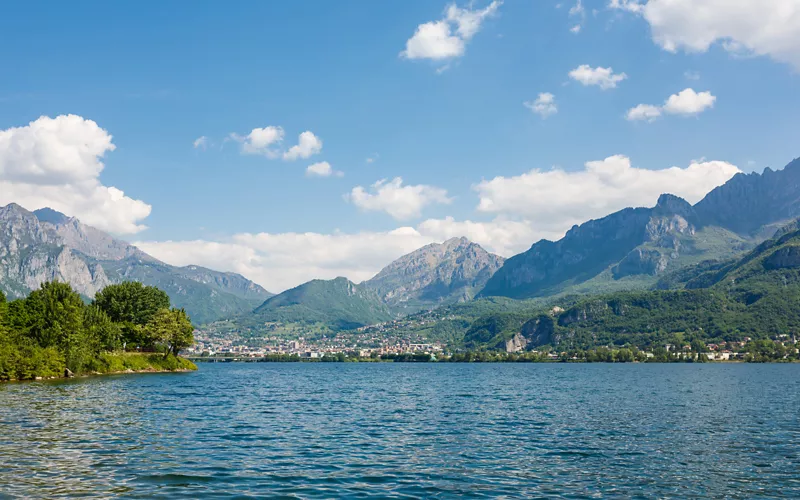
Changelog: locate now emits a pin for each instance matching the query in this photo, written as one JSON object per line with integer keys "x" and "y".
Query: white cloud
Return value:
{"x": 580, "y": 11}
{"x": 544, "y": 105}
{"x": 56, "y": 163}
{"x": 260, "y": 141}
{"x": 555, "y": 200}
{"x": 322, "y": 169}
{"x": 687, "y": 102}
{"x": 644, "y": 112}
{"x": 285, "y": 260}
{"x": 628, "y": 5}
{"x": 602, "y": 77}
{"x": 201, "y": 143}
{"x": 577, "y": 9}
{"x": 691, "y": 75}
{"x": 401, "y": 202}
{"x": 760, "y": 27}
{"x": 308, "y": 144}
{"x": 447, "y": 38}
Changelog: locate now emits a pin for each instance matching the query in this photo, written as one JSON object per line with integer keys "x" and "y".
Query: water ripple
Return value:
{"x": 407, "y": 431}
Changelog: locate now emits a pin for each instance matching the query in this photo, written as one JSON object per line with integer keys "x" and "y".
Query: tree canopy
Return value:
{"x": 53, "y": 329}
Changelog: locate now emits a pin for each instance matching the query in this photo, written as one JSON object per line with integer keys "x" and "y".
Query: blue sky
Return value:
{"x": 158, "y": 76}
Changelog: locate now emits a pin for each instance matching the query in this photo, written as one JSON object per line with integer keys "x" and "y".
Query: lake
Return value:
{"x": 314, "y": 430}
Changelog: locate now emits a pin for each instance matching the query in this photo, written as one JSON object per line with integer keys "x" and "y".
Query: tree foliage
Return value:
{"x": 53, "y": 329}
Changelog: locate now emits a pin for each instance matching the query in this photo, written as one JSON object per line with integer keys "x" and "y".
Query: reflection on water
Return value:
{"x": 350, "y": 430}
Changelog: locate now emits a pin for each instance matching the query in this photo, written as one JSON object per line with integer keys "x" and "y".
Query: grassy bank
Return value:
{"x": 53, "y": 367}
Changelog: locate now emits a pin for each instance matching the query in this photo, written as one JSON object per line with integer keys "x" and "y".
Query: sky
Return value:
{"x": 288, "y": 141}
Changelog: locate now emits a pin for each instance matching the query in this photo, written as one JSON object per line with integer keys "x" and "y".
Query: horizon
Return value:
{"x": 309, "y": 146}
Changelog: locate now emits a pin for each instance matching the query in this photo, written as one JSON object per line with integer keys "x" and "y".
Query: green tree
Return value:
{"x": 132, "y": 306}
{"x": 170, "y": 328}
{"x": 102, "y": 332}
{"x": 55, "y": 319}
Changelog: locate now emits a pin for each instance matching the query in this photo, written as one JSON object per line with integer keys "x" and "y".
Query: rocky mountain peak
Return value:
{"x": 669, "y": 204}
{"x": 437, "y": 273}
{"x": 47, "y": 214}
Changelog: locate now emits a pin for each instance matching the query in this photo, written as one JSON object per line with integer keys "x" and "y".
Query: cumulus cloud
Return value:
{"x": 644, "y": 112}
{"x": 686, "y": 103}
{"x": 201, "y": 143}
{"x": 260, "y": 141}
{"x": 689, "y": 102}
{"x": 555, "y": 200}
{"x": 576, "y": 29}
{"x": 56, "y": 163}
{"x": 308, "y": 144}
{"x": 754, "y": 26}
{"x": 284, "y": 260}
{"x": 544, "y": 105}
{"x": 399, "y": 201}
{"x": 322, "y": 169}
{"x": 447, "y": 38}
{"x": 605, "y": 78}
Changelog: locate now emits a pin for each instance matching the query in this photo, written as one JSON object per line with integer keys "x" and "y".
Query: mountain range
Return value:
{"x": 434, "y": 275}
{"x": 754, "y": 295}
{"x": 673, "y": 244}
{"x": 46, "y": 245}
{"x": 632, "y": 248}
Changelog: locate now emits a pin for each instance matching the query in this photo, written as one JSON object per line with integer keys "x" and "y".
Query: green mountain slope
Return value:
{"x": 757, "y": 296}
{"x": 337, "y": 304}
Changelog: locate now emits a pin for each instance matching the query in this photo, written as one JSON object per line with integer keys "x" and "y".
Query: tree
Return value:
{"x": 103, "y": 332}
{"x": 131, "y": 305}
{"x": 172, "y": 328}
{"x": 55, "y": 319}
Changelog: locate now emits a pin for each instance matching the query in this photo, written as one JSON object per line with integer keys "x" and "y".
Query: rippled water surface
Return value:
{"x": 403, "y": 430}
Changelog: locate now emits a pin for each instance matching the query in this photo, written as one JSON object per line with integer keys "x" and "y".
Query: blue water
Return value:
{"x": 403, "y": 430}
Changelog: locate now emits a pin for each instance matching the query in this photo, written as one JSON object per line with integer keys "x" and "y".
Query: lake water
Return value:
{"x": 403, "y": 430}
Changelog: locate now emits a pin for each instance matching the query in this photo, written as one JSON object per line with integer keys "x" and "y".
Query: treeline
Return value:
{"x": 53, "y": 332}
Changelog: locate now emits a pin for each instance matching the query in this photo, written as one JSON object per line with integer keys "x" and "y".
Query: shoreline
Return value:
{"x": 120, "y": 363}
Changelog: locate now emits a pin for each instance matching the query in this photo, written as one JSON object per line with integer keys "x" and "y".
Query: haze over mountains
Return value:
{"x": 635, "y": 248}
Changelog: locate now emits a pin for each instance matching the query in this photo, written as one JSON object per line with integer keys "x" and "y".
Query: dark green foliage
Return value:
{"x": 53, "y": 330}
{"x": 131, "y": 302}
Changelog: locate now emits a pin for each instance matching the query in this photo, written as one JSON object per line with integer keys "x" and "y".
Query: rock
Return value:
{"x": 516, "y": 343}
{"x": 783, "y": 258}
{"x": 68, "y": 373}
{"x": 540, "y": 330}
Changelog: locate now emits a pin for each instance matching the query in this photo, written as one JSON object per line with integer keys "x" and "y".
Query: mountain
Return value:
{"x": 337, "y": 304}
{"x": 627, "y": 249}
{"x": 47, "y": 245}
{"x": 756, "y": 296}
{"x": 748, "y": 202}
{"x": 436, "y": 274}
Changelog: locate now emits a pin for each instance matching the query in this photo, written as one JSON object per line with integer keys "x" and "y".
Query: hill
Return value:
{"x": 46, "y": 245}
{"x": 337, "y": 304}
